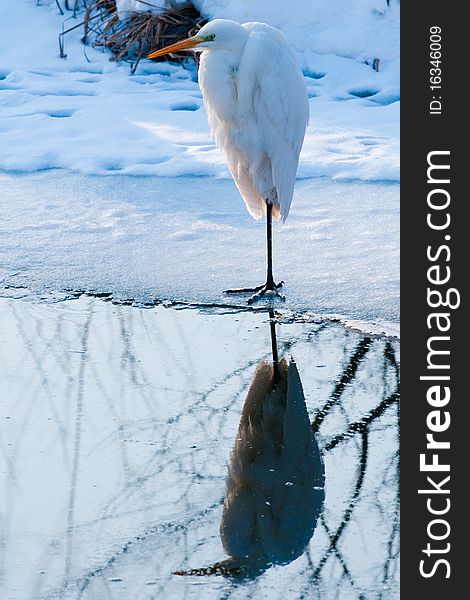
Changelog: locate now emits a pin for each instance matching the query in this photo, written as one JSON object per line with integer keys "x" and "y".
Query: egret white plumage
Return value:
{"x": 257, "y": 106}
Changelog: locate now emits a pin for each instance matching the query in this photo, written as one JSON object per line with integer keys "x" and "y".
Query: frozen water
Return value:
{"x": 117, "y": 423}
{"x": 116, "y": 427}
{"x": 188, "y": 239}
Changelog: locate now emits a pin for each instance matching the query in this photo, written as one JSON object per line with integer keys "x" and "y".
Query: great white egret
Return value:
{"x": 257, "y": 106}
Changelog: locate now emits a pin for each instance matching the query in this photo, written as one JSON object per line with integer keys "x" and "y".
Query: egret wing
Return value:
{"x": 273, "y": 95}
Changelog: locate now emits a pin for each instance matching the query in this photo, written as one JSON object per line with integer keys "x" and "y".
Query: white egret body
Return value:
{"x": 257, "y": 106}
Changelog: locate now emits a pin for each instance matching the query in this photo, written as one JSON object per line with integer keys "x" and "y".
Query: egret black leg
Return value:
{"x": 272, "y": 325}
{"x": 269, "y": 286}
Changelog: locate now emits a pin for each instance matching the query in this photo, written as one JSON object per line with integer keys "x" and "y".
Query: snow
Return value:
{"x": 116, "y": 426}
{"x": 362, "y": 29}
{"x": 163, "y": 219}
{"x": 117, "y": 422}
{"x": 90, "y": 115}
{"x": 188, "y": 239}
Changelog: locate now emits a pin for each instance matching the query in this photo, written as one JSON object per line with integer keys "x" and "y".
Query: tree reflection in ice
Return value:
{"x": 116, "y": 425}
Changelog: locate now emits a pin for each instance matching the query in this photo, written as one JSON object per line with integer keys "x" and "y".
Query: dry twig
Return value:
{"x": 132, "y": 38}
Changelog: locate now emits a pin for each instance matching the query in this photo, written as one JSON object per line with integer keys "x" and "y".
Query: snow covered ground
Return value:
{"x": 93, "y": 116}
{"x": 116, "y": 426}
{"x": 174, "y": 232}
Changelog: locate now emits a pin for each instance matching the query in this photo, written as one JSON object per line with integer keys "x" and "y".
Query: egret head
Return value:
{"x": 220, "y": 34}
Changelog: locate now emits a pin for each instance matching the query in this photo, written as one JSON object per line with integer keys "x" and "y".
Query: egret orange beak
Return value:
{"x": 191, "y": 42}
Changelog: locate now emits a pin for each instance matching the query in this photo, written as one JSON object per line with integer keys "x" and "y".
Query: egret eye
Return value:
{"x": 210, "y": 37}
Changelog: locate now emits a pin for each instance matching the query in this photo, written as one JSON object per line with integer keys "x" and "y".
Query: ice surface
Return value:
{"x": 116, "y": 426}
{"x": 188, "y": 239}
{"x": 117, "y": 423}
{"x": 88, "y": 114}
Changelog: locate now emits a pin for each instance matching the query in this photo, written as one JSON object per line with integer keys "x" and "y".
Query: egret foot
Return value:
{"x": 267, "y": 289}
{"x": 259, "y": 291}
{"x": 244, "y": 290}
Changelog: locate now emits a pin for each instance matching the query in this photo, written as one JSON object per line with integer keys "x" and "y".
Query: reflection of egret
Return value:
{"x": 275, "y": 483}
{"x": 257, "y": 106}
